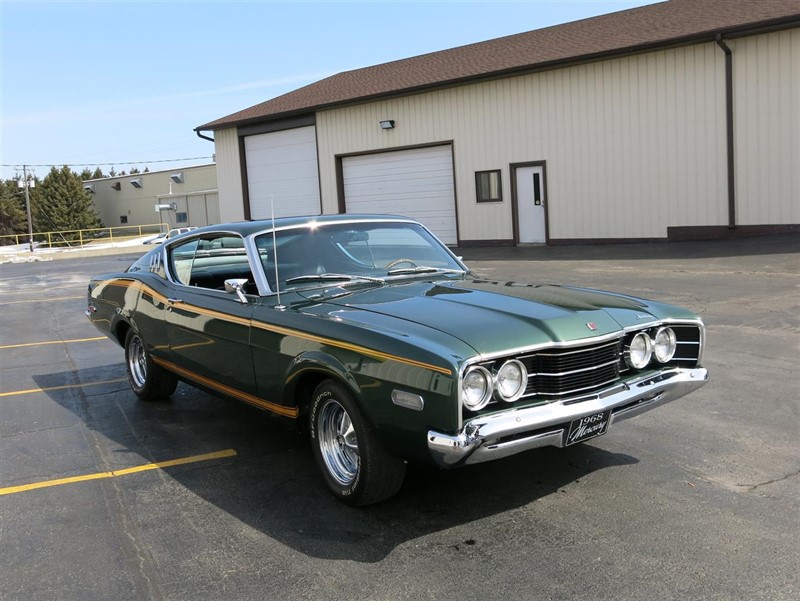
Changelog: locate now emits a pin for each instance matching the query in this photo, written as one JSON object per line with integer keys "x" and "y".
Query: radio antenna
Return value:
{"x": 279, "y": 306}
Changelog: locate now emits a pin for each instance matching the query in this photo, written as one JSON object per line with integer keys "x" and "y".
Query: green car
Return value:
{"x": 371, "y": 335}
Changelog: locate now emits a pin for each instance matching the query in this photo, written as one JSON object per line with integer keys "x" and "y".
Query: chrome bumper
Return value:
{"x": 503, "y": 434}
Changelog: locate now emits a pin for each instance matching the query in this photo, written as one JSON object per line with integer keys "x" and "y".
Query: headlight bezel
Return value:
{"x": 635, "y": 361}
{"x": 672, "y": 343}
{"x": 487, "y": 392}
{"x": 523, "y": 381}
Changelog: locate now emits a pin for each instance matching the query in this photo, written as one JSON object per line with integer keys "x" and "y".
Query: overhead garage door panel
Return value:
{"x": 282, "y": 168}
{"x": 417, "y": 183}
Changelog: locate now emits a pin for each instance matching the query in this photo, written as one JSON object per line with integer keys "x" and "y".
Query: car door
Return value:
{"x": 207, "y": 328}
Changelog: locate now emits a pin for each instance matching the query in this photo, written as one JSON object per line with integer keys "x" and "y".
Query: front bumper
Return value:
{"x": 502, "y": 434}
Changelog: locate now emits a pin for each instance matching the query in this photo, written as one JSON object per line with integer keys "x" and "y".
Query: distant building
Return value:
{"x": 673, "y": 120}
{"x": 190, "y": 193}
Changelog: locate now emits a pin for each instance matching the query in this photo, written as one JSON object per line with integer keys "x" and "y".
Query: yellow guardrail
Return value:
{"x": 73, "y": 239}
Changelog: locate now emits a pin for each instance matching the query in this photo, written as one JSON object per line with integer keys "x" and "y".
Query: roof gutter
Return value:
{"x": 199, "y": 135}
{"x": 729, "y": 131}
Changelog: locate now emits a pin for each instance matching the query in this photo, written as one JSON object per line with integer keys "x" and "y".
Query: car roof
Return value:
{"x": 246, "y": 228}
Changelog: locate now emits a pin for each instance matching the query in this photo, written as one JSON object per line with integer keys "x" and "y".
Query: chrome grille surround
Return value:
{"x": 580, "y": 370}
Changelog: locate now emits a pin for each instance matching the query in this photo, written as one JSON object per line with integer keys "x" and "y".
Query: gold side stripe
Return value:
{"x": 292, "y": 412}
{"x": 288, "y": 331}
{"x": 350, "y": 347}
{"x": 10, "y": 490}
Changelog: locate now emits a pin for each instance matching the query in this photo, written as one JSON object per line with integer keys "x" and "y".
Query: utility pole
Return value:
{"x": 27, "y": 185}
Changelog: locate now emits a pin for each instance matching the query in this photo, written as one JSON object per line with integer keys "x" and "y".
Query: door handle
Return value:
{"x": 174, "y": 301}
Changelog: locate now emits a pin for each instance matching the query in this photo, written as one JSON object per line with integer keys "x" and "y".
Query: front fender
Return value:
{"x": 317, "y": 362}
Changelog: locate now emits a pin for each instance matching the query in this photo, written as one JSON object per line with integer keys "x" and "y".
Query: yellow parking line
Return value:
{"x": 41, "y": 300}
{"x": 10, "y": 490}
{"x": 4, "y": 346}
{"x": 65, "y": 386}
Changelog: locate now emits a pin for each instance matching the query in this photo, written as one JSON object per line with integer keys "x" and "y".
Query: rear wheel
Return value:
{"x": 356, "y": 467}
{"x": 148, "y": 380}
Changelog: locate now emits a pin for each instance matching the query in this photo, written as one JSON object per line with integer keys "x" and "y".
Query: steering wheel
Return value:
{"x": 397, "y": 262}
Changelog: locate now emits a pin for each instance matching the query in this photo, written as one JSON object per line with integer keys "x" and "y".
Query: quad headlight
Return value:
{"x": 643, "y": 347}
{"x": 664, "y": 344}
{"x": 511, "y": 380}
{"x": 506, "y": 384}
{"x": 476, "y": 388}
{"x": 640, "y": 351}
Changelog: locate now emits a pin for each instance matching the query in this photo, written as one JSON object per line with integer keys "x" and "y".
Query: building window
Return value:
{"x": 123, "y": 219}
{"x": 181, "y": 218}
{"x": 488, "y": 186}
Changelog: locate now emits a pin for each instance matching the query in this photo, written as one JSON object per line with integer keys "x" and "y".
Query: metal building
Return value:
{"x": 190, "y": 192}
{"x": 675, "y": 120}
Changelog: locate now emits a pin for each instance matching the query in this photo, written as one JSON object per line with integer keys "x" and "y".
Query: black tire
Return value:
{"x": 149, "y": 381}
{"x": 354, "y": 464}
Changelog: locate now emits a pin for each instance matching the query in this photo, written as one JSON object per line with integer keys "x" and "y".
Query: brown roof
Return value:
{"x": 638, "y": 29}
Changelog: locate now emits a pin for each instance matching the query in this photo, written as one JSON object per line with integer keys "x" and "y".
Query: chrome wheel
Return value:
{"x": 137, "y": 362}
{"x": 337, "y": 443}
{"x": 149, "y": 381}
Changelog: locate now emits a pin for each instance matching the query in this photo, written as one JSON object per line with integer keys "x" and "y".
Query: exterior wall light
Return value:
{"x": 387, "y": 124}
{"x": 136, "y": 183}
{"x": 177, "y": 177}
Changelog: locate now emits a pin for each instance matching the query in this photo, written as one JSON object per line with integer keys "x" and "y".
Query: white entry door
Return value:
{"x": 530, "y": 204}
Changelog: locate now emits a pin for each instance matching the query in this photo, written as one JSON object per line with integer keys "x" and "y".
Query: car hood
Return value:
{"x": 493, "y": 317}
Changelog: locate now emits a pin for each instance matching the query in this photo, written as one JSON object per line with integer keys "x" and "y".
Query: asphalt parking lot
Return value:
{"x": 106, "y": 497}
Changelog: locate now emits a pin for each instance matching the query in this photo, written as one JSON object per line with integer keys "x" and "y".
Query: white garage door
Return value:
{"x": 417, "y": 183}
{"x": 282, "y": 168}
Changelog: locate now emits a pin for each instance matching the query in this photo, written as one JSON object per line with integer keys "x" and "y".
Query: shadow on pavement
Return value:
{"x": 272, "y": 484}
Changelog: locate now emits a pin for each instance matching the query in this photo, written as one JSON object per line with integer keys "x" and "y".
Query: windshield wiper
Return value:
{"x": 331, "y": 277}
{"x": 422, "y": 269}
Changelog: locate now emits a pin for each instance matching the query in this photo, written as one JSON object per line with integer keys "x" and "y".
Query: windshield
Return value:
{"x": 324, "y": 253}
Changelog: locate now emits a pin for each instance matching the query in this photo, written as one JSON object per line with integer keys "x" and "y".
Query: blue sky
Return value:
{"x": 118, "y": 82}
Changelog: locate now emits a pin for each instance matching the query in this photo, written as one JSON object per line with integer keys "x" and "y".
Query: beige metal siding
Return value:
{"x": 631, "y": 145}
{"x": 229, "y": 175}
{"x": 767, "y": 108}
{"x": 137, "y": 204}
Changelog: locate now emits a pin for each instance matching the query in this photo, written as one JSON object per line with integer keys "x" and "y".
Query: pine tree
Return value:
{"x": 98, "y": 173}
{"x": 134, "y": 170}
{"x": 59, "y": 203}
{"x": 13, "y": 219}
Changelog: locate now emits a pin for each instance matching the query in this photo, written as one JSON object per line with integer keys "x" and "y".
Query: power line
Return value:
{"x": 120, "y": 163}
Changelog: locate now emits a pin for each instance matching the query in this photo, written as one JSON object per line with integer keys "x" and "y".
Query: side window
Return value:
{"x": 208, "y": 262}
{"x": 181, "y": 259}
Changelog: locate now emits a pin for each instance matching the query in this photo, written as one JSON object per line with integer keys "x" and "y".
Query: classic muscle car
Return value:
{"x": 378, "y": 341}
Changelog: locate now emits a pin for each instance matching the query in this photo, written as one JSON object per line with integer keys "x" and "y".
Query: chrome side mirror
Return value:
{"x": 236, "y": 286}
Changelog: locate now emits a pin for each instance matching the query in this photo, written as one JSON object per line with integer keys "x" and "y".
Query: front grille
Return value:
{"x": 560, "y": 372}
{"x": 576, "y": 373}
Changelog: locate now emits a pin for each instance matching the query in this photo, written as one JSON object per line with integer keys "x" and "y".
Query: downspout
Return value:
{"x": 199, "y": 135}
{"x": 729, "y": 128}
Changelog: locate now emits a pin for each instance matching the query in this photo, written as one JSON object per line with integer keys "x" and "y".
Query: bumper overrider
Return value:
{"x": 503, "y": 434}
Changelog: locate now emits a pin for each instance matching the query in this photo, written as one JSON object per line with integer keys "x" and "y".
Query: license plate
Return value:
{"x": 587, "y": 427}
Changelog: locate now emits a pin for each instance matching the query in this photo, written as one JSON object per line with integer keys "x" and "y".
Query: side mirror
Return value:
{"x": 236, "y": 286}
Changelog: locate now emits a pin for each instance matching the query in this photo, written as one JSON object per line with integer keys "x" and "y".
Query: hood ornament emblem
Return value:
{"x": 592, "y": 326}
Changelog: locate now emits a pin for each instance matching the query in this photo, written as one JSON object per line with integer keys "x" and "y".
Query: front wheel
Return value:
{"x": 148, "y": 380}
{"x": 353, "y": 462}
